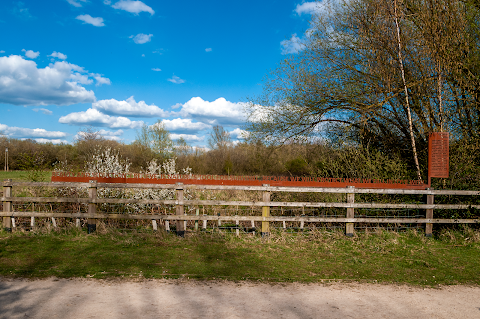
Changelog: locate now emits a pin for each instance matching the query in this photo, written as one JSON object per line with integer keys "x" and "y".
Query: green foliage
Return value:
{"x": 34, "y": 166}
{"x": 157, "y": 138}
{"x": 297, "y": 166}
{"x": 347, "y": 82}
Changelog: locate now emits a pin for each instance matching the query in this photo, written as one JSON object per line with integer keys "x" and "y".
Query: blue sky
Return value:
{"x": 115, "y": 65}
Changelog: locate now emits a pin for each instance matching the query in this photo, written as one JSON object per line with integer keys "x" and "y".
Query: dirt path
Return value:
{"x": 77, "y": 298}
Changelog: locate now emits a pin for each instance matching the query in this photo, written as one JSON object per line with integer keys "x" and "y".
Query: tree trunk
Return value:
{"x": 410, "y": 125}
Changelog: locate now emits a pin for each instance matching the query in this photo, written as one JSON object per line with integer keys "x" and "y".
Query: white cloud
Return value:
{"x": 156, "y": 69}
{"x": 134, "y": 7}
{"x": 307, "y": 7}
{"x": 109, "y": 135}
{"x": 184, "y": 125}
{"x": 317, "y": 7}
{"x": 208, "y": 50}
{"x": 293, "y": 45}
{"x": 100, "y": 79}
{"x": 81, "y": 78}
{"x": 31, "y": 54}
{"x": 2, "y": 51}
{"x": 21, "y": 132}
{"x": 76, "y": 3}
{"x": 20, "y": 11}
{"x": 219, "y": 111}
{"x": 23, "y": 83}
{"x": 239, "y": 133}
{"x": 186, "y": 137}
{"x": 129, "y": 108}
{"x": 53, "y": 141}
{"x": 175, "y": 79}
{"x": 59, "y": 55}
{"x": 94, "y": 118}
{"x": 107, "y": 2}
{"x": 141, "y": 38}
{"x": 44, "y": 111}
{"x": 86, "y": 18}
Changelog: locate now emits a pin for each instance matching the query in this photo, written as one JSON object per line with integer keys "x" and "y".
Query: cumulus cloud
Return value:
{"x": 239, "y": 133}
{"x": 21, "y": 132}
{"x": 86, "y": 18}
{"x": 23, "y": 83}
{"x": 53, "y": 141}
{"x": 100, "y": 79}
{"x": 44, "y": 111}
{"x": 220, "y": 111}
{"x": 31, "y": 54}
{"x": 95, "y": 118}
{"x": 76, "y": 3}
{"x": 307, "y": 8}
{"x": 175, "y": 79}
{"x": 129, "y": 108}
{"x": 208, "y": 50}
{"x": 134, "y": 7}
{"x": 109, "y": 135}
{"x": 317, "y": 7}
{"x": 156, "y": 69}
{"x": 141, "y": 38}
{"x": 293, "y": 45}
{"x": 184, "y": 125}
{"x": 186, "y": 137}
{"x": 59, "y": 55}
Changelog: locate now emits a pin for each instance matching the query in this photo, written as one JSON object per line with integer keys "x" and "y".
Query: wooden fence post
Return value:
{"x": 429, "y": 215}
{"x": 197, "y": 212}
{"x": 350, "y": 212}
{"x": 266, "y": 213}
{"x": 7, "y": 206}
{"x": 92, "y": 207}
{"x": 180, "y": 210}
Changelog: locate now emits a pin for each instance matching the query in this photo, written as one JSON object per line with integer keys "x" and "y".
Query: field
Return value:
{"x": 451, "y": 257}
{"x": 17, "y": 176}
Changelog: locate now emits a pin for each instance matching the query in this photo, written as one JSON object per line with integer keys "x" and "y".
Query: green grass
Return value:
{"x": 450, "y": 258}
{"x": 23, "y": 176}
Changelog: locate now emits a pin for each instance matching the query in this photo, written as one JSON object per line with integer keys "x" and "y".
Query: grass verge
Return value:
{"x": 452, "y": 257}
{"x": 23, "y": 176}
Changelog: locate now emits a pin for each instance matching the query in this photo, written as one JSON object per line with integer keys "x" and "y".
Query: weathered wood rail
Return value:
{"x": 349, "y": 220}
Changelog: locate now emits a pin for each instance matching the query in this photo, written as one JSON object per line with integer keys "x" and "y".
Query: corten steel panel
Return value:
{"x": 285, "y": 181}
{"x": 438, "y": 154}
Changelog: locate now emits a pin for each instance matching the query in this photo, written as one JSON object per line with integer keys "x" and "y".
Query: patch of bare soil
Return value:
{"x": 89, "y": 298}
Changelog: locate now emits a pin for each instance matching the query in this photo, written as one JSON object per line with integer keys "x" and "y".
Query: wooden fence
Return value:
{"x": 92, "y": 214}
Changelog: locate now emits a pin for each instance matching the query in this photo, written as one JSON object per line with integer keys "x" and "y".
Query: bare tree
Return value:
{"x": 219, "y": 138}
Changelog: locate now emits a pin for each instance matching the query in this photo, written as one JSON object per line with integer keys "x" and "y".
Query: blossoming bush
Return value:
{"x": 107, "y": 161}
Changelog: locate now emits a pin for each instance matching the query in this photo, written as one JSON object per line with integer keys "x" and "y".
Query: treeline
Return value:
{"x": 319, "y": 158}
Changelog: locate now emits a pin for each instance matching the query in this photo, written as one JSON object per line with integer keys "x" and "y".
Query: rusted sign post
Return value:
{"x": 438, "y": 166}
{"x": 438, "y": 155}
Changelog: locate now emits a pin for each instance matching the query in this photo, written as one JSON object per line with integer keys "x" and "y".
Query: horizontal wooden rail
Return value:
{"x": 234, "y": 203}
{"x": 180, "y": 202}
{"x": 307, "y": 219}
{"x": 252, "y": 188}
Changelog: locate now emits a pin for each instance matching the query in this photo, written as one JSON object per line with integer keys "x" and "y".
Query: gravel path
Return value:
{"x": 81, "y": 298}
